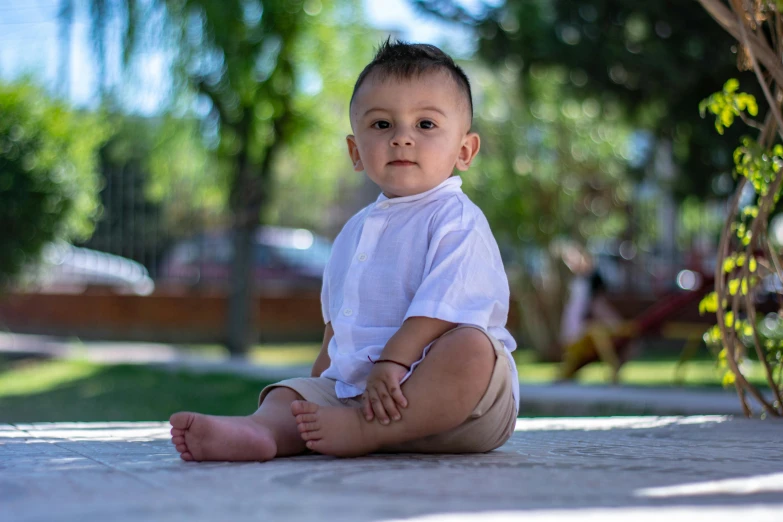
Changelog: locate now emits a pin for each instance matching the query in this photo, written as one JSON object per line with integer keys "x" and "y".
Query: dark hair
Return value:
{"x": 404, "y": 60}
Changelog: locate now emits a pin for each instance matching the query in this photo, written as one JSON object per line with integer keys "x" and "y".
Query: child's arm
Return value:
{"x": 383, "y": 394}
{"x": 322, "y": 362}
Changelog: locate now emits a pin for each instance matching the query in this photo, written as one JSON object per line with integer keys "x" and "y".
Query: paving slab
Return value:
{"x": 567, "y": 399}
{"x": 714, "y": 468}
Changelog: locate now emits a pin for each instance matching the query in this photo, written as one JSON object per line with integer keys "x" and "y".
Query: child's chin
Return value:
{"x": 409, "y": 192}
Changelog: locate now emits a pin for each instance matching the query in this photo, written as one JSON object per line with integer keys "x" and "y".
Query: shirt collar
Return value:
{"x": 449, "y": 186}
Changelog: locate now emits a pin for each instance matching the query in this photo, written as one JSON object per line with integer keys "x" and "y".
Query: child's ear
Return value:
{"x": 470, "y": 147}
{"x": 353, "y": 152}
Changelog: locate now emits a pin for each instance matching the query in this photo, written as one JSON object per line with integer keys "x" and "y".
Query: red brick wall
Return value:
{"x": 169, "y": 317}
{"x": 156, "y": 318}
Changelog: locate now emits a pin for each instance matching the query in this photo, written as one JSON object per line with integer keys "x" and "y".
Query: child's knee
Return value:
{"x": 469, "y": 347}
{"x": 281, "y": 395}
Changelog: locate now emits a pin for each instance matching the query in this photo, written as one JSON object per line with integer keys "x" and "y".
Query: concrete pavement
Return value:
{"x": 709, "y": 468}
{"x": 689, "y": 468}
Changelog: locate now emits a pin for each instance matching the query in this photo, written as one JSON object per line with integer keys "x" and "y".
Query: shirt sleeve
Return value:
{"x": 464, "y": 282}
{"x": 325, "y": 295}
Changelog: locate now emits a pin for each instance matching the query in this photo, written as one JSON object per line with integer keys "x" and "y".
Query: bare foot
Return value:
{"x": 206, "y": 437}
{"x": 341, "y": 432}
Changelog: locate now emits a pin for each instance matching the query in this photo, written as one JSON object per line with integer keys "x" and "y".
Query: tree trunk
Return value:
{"x": 540, "y": 307}
{"x": 241, "y": 324}
{"x": 241, "y": 311}
{"x": 249, "y": 195}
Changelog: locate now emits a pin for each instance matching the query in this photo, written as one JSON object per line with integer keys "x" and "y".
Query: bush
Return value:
{"x": 48, "y": 174}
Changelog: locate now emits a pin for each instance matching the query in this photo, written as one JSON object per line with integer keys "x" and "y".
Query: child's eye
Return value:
{"x": 381, "y": 124}
{"x": 427, "y": 124}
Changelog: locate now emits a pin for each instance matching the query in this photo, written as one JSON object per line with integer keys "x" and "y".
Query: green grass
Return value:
{"x": 55, "y": 390}
{"x": 285, "y": 354}
{"x": 649, "y": 370}
{"x": 265, "y": 354}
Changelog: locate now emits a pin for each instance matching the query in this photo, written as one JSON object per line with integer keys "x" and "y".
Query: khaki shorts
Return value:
{"x": 488, "y": 427}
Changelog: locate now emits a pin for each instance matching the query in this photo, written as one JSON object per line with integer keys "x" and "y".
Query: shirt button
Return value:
{"x": 347, "y": 312}
{"x": 362, "y": 257}
{"x": 383, "y": 206}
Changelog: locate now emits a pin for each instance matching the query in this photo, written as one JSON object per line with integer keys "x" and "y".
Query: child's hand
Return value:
{"x": 383, "y": 395}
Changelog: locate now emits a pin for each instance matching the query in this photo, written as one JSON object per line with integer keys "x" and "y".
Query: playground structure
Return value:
{"x": 611, "y": 344}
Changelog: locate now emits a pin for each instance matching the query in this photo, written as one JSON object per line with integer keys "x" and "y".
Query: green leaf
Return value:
{"x": 731, "y": 85}
{"x": 49, "y": 173}
{"x": 726, "y": 117}
{"x": 703, "y": 108}
{"x": 712, "y": 336}
{"x": 753, "y": 107}
{"x": 727, "y": 105}
{"x": 709, "y": 303}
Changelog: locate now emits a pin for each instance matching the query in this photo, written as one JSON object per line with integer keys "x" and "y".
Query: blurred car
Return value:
{"x": 64, "y": 268}
{"x": 284, "y": 259}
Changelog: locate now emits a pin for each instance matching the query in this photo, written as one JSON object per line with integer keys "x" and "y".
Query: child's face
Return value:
{"x": 411, "y": 134}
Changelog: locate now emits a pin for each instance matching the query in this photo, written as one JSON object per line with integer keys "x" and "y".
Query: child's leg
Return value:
{"x": 270, "y": 432}
{"x": 441, "y": 393}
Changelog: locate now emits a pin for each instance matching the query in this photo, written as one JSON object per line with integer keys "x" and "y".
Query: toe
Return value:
{"x": 306, "y": 417}
{"x": 178, "y": 440}
{"x": 303, "y": 407}
{"x": 182, "y": 420}
{"x": 186, "y": 456}
{"x": 182, "y": 449}
{"x": 176, "y": 432}
{"x": 310, "y": 435}
{"x": 308, "y": 426}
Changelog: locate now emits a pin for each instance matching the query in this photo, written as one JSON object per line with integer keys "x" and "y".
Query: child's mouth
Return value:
{"x": 401, "y": 163}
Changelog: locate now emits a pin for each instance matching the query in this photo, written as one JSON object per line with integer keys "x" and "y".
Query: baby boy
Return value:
{"x": 415, "y": 355}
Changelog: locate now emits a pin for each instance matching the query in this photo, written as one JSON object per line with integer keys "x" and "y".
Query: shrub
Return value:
{"x": 48, "y": 174}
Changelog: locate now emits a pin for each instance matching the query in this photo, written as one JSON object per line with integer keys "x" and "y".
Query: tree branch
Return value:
{"x": 751, "y": 309}
{"x": 720, "y": 291}
{"x": 204, "y": 88}
{"x": 750, "y": 122}
{"x": 450, "y": 11}
{"x": 765, "y": 55}
{"x": 745, "y": 39}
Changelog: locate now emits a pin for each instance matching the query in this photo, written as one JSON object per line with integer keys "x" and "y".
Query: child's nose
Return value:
{"x": 402, "y": 138}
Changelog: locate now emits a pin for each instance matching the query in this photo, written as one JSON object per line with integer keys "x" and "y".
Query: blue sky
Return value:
{"x": 29, "y": 45}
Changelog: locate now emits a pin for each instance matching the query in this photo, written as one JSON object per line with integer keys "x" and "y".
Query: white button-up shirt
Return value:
{"x": 430, "y": 254}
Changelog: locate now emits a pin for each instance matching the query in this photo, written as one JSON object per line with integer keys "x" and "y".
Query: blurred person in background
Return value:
{"x": 589, "y": 320}
{"x": 587, "y": 300}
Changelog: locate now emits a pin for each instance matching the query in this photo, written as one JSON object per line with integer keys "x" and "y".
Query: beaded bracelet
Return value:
{"x": 389, "y": 361}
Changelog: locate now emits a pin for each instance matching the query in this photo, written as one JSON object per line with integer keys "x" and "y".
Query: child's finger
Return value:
{"x": 377, "y": 407}
{"x": 366, "y": 407}
{"x": 399, "y": 398}
{"x": 389, "y": 405}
